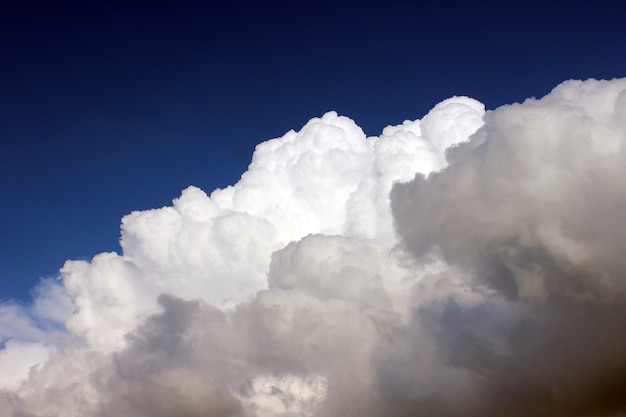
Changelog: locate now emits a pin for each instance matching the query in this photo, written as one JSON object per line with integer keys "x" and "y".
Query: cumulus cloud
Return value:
{"x": 533, "y": 207}
{"x": 465, "y": 264}
{"x": 29, "y": 333}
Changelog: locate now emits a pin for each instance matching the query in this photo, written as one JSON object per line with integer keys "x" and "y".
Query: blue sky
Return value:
{"x": 109, "y": 108}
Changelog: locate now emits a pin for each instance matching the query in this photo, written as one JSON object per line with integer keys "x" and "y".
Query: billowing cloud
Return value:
{"x": 533, "y": 208}
{"x": 464, "y": 264}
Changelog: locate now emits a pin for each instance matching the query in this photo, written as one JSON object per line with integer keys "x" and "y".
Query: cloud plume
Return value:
{"x": 466, "y": 264}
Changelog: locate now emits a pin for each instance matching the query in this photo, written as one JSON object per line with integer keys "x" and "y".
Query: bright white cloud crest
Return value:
{"x": 316, "y": 287}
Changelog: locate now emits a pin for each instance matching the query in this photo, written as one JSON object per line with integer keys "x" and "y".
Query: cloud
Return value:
{"x": 29, "y": 333}
{"x": 532, "y": 207}
{"x": 18, "y": 358}
{"x": 464, "y": 264}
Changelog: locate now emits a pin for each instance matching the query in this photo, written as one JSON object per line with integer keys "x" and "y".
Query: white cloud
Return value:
{"x": 291, "y": 292}
{"x": 328, "y": 178}
{"x": 17, "y": 359}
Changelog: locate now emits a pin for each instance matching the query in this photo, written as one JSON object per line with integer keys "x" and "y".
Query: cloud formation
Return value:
{"x": 466, "y": 264}
{"x": 533, "y": 207}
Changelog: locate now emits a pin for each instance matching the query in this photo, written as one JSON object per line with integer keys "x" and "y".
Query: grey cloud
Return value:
{"x": 533, "y": 208}
{"x": 160, "y": 372}
{"x": 327, "y": 315}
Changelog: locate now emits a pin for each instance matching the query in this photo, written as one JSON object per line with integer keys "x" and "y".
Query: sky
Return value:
{"x": 312, "y": 209}
{"x": 113, "y": 107}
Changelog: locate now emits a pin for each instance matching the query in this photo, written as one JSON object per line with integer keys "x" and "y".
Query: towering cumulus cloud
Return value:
{"x": 464, "y": 264}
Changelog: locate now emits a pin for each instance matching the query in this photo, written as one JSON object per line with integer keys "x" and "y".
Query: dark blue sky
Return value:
{"x": 117, "y": 107}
